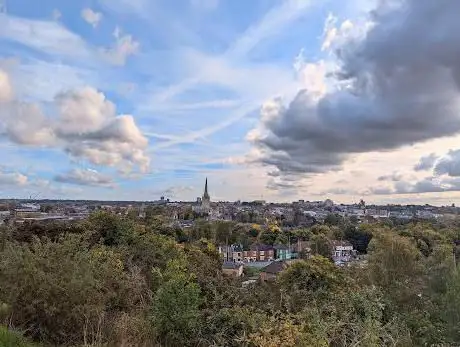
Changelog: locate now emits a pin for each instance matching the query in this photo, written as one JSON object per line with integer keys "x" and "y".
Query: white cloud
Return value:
{"x": 83, "y": 111}
{"x": 91, "y": 17}
{"x": 125, "y": 46}
{"x": 49, "y": 37}
{"x": 53, "y": 39}
{"x": 85, "y": 125}
{"x": 6, "y": 90}
{"x": 27, "y": 125}
{"x": 85, "y": 177}
{"x": 13, "y": 178}
{"x": 334, "y": 35}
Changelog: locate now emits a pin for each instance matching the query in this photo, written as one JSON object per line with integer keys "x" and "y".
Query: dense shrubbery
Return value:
{"x": 111, "y": 281}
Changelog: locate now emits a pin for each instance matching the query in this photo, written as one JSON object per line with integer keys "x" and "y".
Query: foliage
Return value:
{"x": 90, "y": 285}
{"x": 10, "y": 338}
{"x": 359, "y": 237}
{"x": 122, "y": 281}
{"x": 176, "y": 305}
{"x": 321, "y": 245}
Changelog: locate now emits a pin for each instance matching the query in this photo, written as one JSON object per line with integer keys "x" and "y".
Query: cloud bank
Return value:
{"x": 395, "y": 85}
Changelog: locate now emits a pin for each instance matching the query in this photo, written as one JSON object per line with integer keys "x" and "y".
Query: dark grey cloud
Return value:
{"x": 85, "y": 177}
{"x": 426, "y": 162}
{"x": 399, "y": 86}
{"x": 394, "y": 177}
{"x": 449, "y": 165}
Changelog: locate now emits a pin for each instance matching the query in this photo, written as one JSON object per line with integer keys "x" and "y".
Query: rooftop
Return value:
{"x": 275, "y": 267}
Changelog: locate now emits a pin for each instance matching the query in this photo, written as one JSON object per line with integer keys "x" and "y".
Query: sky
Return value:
{"x": 269, "y": 99}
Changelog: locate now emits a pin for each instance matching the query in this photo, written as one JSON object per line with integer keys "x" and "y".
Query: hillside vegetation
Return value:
{"x": 119, "y": 281}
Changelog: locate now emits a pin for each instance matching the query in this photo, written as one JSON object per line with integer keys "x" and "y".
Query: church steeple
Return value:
{"x": 206, "y": 194}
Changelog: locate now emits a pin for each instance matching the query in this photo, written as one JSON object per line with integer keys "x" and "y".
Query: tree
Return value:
{"x": 359, "y": 237}
{"x": 176, "y": 303}
{"x": 112, "y": 229}
{"x": 333, "y": 219}
{"x": 321, "y": 245}
{"x": 59, "y": 292}
{"x": 268, "y": 237}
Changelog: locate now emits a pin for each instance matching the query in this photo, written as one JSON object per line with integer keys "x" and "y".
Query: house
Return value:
{"x": 342, "y": 252}
{"x": 271, "y": 271}
{"x": 283, "y": 252}
{"x": 232, "y": 269}
{"x": 231, "y": 253}
{"x": 259, "y": 252}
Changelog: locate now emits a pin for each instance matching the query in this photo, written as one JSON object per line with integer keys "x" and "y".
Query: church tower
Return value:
{"x": 206, "y": 200}
{"x": 206, "y": 194}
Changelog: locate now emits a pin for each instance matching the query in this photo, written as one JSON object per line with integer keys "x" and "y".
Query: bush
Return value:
{"x": 10, "y": 338}
{"x": 63, "y": 292}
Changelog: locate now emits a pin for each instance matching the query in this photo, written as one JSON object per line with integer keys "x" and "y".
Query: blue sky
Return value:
{"x": 194, "y": 84}
{"x": 188, "y": 77}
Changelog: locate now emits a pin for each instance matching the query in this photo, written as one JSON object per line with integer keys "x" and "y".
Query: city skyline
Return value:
{"x": 272, "y": 100}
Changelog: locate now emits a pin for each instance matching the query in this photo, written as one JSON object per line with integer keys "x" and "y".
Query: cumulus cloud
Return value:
{"x": 125, "y": 46}
{"x": 334, "y": 34}
{"x": 84, "y": 124}
{"x": 91, "y": 17}
{"x": 85, "y": 177}
{"x": 426, "y": 162}
{"x": 13, "y": 178}
{"x": 395, "y": 85}
{"x": 449, "y": 165}
{"x": 83, "y": 111}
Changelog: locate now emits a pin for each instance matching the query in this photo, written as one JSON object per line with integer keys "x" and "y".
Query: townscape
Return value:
{"x": 201, "y": 273}
{"x": 238, "y": 173}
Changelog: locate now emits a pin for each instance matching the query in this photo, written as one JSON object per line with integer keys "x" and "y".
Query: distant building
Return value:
{"x": 206, "y": 200}
{"x": 232, "y": 253}
{"x": 204, "y": 203}
{"x": 342, "y": 252}
{"x": 230, "y": 268}
{"x": 283, "y": 252}
{"x": 271, "y": 271}
{"x": 259, "y": 252}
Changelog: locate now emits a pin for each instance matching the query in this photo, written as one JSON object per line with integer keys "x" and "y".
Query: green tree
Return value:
{"x": 359, "y": 237}
{"x": 321, "y": 245}
{"x": 112, "y": 229}
{"x": 175, "y": 310}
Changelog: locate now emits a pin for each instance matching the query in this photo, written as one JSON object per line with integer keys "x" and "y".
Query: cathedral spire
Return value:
{"x": 206, "y": 194}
